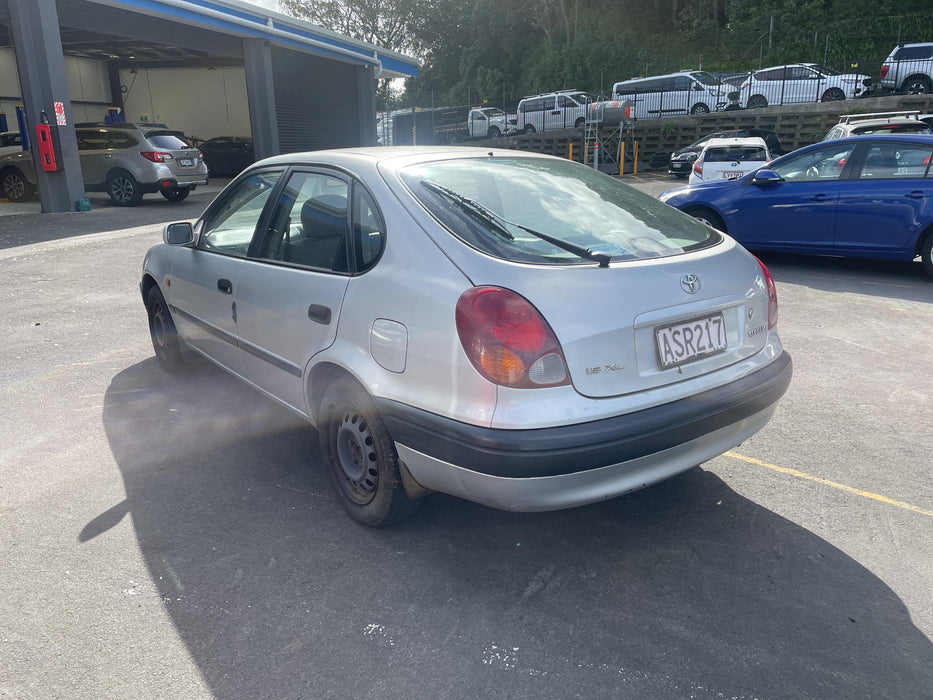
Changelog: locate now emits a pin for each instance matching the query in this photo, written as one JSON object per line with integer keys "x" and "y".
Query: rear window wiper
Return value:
{"x": 487, "y": 214}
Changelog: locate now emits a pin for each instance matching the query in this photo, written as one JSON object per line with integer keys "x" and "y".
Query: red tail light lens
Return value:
{"x": 698, "y": 166}
{"x": 772, "y": 296}
{"x": 156, "y": 156}
{"x": 884, "y": 70}
{"x": 507, "y": 339}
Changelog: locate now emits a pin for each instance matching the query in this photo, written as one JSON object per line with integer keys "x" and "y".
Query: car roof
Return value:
{"x": 407, "y": 154}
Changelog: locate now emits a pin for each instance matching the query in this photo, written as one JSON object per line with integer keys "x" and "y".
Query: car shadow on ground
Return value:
{"x": 883, "y": 278}
{"x": 686, "y": 589}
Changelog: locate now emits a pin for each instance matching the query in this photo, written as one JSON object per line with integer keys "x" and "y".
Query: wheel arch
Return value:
{"x": 317, "y": 379}
{"x": 924, "y": 236}
{"x": 146, "y": 284}
{"x": 917, "y": 76}
{"x": 706, "y": 208}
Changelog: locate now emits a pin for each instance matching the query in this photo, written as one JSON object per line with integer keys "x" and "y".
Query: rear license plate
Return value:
{"x": 732, "y": 175}
{"x": 680, "y": 343}
{"x": 187, "y": 162}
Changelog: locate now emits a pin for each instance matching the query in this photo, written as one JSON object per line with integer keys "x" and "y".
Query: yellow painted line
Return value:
{"x": 826, "y": 482}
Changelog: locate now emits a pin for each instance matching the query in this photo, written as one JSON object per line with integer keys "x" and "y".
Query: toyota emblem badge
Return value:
{"x": 690, "y": 284}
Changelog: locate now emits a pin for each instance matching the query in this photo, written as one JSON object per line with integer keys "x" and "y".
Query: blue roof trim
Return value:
{"x": 389, "y": 63}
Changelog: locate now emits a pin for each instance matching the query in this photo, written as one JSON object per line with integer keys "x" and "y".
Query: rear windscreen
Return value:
{"x": 732, "y": 153}
{"x": 166, "y": 140}
{"x": 892, "y": 129}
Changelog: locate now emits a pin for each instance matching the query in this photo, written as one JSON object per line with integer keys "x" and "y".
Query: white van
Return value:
{"x": 553, "y": 110}
{"x": 693, "y": 92}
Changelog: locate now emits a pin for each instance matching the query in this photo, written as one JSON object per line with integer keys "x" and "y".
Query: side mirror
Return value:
{"x": 181, "y": 233}
{"x": 766, "y": 177}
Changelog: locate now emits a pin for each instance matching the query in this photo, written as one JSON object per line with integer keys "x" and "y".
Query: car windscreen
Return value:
{"x": 166, "y": 139}
{"x": 732, "y": 153}
{"x": 914, "y": 128}
{"x": 706, "y": 78}
{"x": 497, "y": 205}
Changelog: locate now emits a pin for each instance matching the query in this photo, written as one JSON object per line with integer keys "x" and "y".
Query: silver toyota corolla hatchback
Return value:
{"x": 514, "y": 329}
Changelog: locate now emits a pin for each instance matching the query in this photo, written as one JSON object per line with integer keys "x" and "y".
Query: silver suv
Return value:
{"x": 124, "y": 160}
{"x": 875, "y": 123}
{"x": 909, "y": 69}
{"x": 129, "y": 160}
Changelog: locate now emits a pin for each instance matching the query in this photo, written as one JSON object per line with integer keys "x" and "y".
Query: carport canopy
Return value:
{"x": 306, "y": 87}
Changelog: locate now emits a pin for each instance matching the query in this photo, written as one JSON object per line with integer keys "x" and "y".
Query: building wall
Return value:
{"x": 202, "y": 102}
{"x": 88, "y": 86}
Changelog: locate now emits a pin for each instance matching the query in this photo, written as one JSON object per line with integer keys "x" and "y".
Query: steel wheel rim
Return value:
{"x": 159, "y": 330}
{"x": 356, "y": 456}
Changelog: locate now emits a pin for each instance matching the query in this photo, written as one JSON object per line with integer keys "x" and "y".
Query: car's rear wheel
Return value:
{"x": 360, "y": 456}
{"x": 494, "y": 132}
{"x": 833, "y": 95}
{"x": 165, "y": 340}
{"x": 756, "y": 101}
{"x": 917, "y": 85}
{"x": 699, "y": 108}
{"x": 176, "y": 194}
{"x": 123, "y": 189}
{"x": 926, "y": 253}
{"x": 707, "y": 216}
{"x": 529, "y": 129}
{"x": 579, "y": 123}
{"x": 15, "y": 186}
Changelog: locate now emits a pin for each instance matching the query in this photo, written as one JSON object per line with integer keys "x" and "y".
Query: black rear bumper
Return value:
{"x": 579, "y": 447}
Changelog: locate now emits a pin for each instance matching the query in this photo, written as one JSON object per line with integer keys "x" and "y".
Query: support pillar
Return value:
{"x": 260, "y": 96}
{"x": 366, "y": 91}
{"x": 38, "y": 46}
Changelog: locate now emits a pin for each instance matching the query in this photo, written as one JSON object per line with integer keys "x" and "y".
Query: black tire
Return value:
{"x": 360, "y": 457}
{"x": 123, "y": 189}
{"x": 494, "y": 132}
{"x": 757, "y": 101}
{"x": 917, "y": 85}
{"x": 529, "y": 129}
{"x": 707, "y": 216}
{"x": 15, "y": 186}
{"x": 165, "y": 340}
{"x": 926, "y": 254}
{"x": 833, "y": 95}
{"x": 579, "y": 123}
{"x": 699, "y": 108}
{"x": 176, "y": 194}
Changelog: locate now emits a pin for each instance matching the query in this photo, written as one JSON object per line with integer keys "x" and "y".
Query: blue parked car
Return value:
{"x": 865, "y": 196}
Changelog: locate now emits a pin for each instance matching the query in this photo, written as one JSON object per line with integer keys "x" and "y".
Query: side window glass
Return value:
{"x": 309, "y": 224}
{"x": 119, "y": 140}
{"x": 230, "y": 228}
{"x": 818, "y": 165}
{"x": 368, "y": 230}
{"x": 896, "y": 161}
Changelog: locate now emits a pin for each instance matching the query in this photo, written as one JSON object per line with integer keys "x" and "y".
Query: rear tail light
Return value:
{"x": 772, "y": 296}
{"x": 884, "y": 70}
{"x": 698, "y": 166}
{"x": 508, "y": 341}
{"x": 156, "y": 156}
{"x": 200, "y": 157}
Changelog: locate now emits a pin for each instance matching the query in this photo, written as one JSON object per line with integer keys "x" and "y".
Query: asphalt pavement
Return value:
{"x": 176, "y": 537}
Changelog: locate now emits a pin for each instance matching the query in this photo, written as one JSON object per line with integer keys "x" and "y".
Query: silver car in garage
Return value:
{"x": 511, "y": 328}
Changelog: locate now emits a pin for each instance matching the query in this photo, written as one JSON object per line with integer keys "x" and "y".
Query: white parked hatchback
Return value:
{"x": 801, "y": 82}
{"x": 729, "y": 159}
{"x": 511, "y": 328}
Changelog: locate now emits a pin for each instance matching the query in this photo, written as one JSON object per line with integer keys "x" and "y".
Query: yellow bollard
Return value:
{"x": 621, "y": 158}
{"x": 570, "y": 151}
{"x": 635, "y": 164}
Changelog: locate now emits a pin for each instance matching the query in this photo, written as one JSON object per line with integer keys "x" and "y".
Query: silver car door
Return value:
{"x": 204, "y": 278}
{"x": 289, "y": 299}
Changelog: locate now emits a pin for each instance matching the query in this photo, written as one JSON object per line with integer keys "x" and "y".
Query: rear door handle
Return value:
{"x": 916, "y": 194}
{"x": 820, "y": 197}
{"x": 226, "y": 286}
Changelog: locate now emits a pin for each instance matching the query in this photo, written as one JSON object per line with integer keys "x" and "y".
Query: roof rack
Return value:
{"x": 849, "y": 118}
